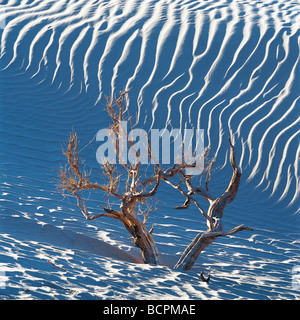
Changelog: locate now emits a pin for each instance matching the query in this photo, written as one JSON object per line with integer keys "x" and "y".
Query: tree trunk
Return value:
{"x": 192, "y": 252}
{"x": 144, "y": 241}
{"x": 215, "y": 214}
{"x": 201, "y": 241}
{"x": 142, "y": 238}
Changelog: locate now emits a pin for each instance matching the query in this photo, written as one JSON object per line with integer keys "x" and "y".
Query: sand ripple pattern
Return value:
{"x": 229, "y": 67}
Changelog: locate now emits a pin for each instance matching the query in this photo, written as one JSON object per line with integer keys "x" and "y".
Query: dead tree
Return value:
{"x": 214, "y": 214}
{"x": 132, "y": 190}
{"x": 133, "y": 197}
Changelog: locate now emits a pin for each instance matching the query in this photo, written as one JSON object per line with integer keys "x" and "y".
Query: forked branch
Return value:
{"x": 135, "y": 193}
{"x": 214, "y": 217}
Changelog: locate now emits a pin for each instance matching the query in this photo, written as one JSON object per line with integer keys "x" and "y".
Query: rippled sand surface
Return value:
{"x": 228, "y": 67}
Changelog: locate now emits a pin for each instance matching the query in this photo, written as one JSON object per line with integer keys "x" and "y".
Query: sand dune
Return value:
{"x": 228, "y": 67}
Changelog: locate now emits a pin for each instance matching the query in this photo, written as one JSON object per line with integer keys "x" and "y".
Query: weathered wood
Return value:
{"x": 142, "y": 238}
{"x": 200, "y": 242}
{"x": 75, "y": 181}
{"x": 134, "y": 194}
{"x": 144, "y": 241}
{"x": 215, "y": 214}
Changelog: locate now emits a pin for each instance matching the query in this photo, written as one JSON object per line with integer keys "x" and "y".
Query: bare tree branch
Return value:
{"x": 138, "y": 189}
{"x": 201, "y": 241}
{"x": 214, "y": 219}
